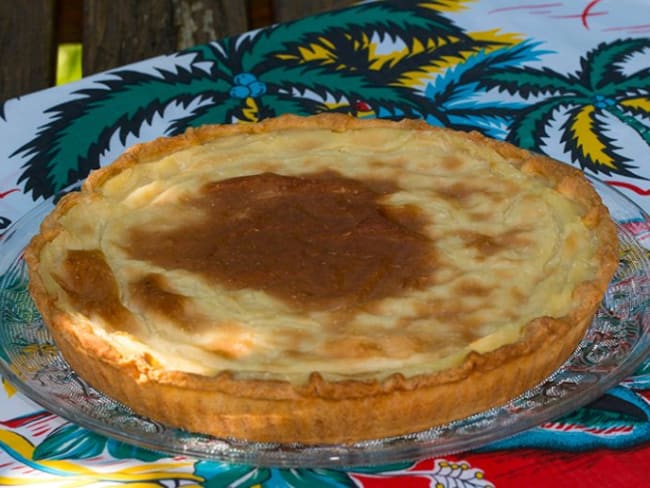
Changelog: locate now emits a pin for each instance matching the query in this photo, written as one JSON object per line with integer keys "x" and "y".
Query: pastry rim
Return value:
{"x": 326, "y": 411}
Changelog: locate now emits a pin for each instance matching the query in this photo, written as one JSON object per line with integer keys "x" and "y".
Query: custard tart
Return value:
{"x": 321, "y": 279}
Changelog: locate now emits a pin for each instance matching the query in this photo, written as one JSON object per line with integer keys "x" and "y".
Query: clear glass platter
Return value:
{"x": 615, "y": 344}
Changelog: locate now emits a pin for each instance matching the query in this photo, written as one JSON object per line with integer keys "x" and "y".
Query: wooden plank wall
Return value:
{"x": 118, "y": 32}
{"x": 27, "y": 46}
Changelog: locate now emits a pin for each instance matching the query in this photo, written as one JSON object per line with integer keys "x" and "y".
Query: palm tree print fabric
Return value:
{"x": 570, "y": 79}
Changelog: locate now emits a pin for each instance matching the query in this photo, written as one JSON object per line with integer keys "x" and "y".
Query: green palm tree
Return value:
{"x": 253, "y": 76}
{"x": 599, "y": 88}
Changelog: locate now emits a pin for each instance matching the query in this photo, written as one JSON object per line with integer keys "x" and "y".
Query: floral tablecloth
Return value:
{"x": 569, "y": 78}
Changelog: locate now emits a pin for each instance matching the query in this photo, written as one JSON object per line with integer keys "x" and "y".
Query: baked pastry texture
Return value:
{"x": 321, "y": 279}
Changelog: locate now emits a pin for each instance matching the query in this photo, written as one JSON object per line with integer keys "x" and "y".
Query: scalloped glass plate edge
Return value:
{"x": 615, "y": 344}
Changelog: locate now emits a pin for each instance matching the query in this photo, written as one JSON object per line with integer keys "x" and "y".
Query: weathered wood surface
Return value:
{"x": 124, "y": 31}
{"x": 27, "y": 46}
{"x": 119, "y": 32}
{"x": 285, "y": 10}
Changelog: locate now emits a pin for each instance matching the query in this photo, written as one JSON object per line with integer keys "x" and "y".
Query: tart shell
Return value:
{"x": 321, "y": 411}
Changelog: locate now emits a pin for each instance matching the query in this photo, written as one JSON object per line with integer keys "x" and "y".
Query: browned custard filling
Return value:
{"x": 354, "y": 257}
{"x": 313, "y": 242}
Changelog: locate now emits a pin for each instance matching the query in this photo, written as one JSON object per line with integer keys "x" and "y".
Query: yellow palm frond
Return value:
{"x": 379, "y": 60}
{"x": 586, "y": 140}
{"x": 492, "y": 39}
{"x": 322, "y": 50}
{"x": 10, "y": 389}
{"x": 447, "y": 5}
{"x": 497, "y": 38}
{"x": 641, "y": 104}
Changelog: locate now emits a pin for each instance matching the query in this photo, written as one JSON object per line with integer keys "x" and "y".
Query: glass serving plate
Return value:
{"x": 615, "y": 344}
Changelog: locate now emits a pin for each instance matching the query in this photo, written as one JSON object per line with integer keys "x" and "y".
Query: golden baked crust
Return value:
{"x": 319, "y": 405}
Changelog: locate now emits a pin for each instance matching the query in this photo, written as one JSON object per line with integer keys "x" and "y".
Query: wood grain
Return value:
{"x": 69, "y": 21}
{"x": 119, "y": 32}
{"x": 285, "y": 10}
{"x": 124, "y": 31}
{"x": 27, "y": 47}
